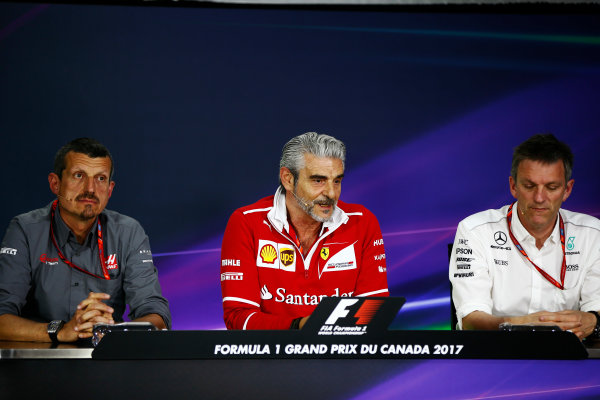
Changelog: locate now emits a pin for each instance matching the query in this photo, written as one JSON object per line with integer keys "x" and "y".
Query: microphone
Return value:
{"x": 66, "y": 198}
{"x": 300, "y": 200}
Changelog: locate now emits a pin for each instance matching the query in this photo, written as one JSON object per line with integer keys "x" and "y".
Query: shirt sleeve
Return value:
{"x": 470, "y": 275}
{"x": 372, "y": 277}
{"x": 590, "y": 291}
{"x": 15, "y": 270}
{"x": 140, "y": 283}
{"x": 240, "y": 286}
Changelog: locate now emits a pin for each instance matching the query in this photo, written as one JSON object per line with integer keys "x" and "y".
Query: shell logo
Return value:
{"x": 268, "y": 254}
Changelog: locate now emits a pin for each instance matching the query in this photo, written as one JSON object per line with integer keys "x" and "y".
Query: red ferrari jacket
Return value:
{"x": 265, "y": 280}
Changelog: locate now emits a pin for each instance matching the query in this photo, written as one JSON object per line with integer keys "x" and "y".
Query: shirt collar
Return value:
{"x": 278, "y": 215}
{"x": 523, "y": 235}
{"x": 63, "y": 234}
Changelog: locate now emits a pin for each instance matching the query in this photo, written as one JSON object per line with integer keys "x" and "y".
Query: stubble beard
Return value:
{"x": 88, "y": 212}
{"x": 309, "y": 206}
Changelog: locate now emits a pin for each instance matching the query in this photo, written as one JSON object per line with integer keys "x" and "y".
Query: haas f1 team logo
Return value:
{"x": 351, "y": 317}
{"x": 111, "y": 262}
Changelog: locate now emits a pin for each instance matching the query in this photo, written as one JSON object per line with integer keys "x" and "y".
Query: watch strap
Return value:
{"x": 596, "y": 332}
{"x": 296, "y": 323}
{"x": 53, "y": 328}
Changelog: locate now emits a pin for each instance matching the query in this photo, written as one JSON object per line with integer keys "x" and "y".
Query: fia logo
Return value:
{"x": 570, "y": 243}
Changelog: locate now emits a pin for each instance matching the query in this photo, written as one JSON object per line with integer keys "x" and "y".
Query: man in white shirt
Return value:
{"x": 530, "y": 262}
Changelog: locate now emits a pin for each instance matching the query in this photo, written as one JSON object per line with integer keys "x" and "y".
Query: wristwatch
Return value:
{"x": 53, "y": 328}
{"x": 596, "y": 333}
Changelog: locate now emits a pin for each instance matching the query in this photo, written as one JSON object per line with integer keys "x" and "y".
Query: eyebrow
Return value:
{"x": 81, "y": 170}
{"x": 527, "y": 181}
{"x": 324, "y": 177}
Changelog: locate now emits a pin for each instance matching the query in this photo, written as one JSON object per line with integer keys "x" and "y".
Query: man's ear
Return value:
{"x": 513, "y": 186}
{"x": 287, "y": 179}
{"x": 54, "y": 182}
{"x": 568, "y": 189}
{"x": 111, "y": 187}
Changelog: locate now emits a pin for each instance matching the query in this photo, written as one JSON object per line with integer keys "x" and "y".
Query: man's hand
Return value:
{"x": 90, "y": 311}
{"x": 581, "y": 323}
{"x": 303, "y": 321}
{"x": 539, "y": 318}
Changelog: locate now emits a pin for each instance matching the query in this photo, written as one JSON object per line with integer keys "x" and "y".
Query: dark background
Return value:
{"x": 195, "y": 104}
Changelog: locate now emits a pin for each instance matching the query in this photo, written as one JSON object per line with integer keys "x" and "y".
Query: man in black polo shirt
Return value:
{"x": 72, "y": 264}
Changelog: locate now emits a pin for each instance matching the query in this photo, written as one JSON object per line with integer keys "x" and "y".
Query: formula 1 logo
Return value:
{"x": 364, "y": 314}
{"x": 351, "y": 317}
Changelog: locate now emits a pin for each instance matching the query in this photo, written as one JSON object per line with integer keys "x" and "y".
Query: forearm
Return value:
{"x": 154, "y": 319}
{"x": 579, "y": 322}
{"x": 20, "y": 329}
{"x": 248, "y": 319}
{"x": 471, "y": 281}
{"x": 483, "y": 321}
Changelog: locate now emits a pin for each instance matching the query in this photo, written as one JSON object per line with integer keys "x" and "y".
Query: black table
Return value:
{"x": 28, "y": 370}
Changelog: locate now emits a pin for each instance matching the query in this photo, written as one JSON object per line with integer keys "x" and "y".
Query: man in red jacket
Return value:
{"x": 281, "y": 255}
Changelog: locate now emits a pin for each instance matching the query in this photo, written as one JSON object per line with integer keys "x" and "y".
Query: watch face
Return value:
{"x": 54, "y": 326}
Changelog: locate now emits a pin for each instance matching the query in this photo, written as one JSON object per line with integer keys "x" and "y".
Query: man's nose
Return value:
{"x": 90, "y": 184}
{"x": 539, "y": 196}
{"x": 329, "y": 190}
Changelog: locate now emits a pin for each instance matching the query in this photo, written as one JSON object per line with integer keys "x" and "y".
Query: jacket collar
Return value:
{"x": 278, "y": 215}
{"x": 63, "y": 234}
{"x": 523, "y": 234}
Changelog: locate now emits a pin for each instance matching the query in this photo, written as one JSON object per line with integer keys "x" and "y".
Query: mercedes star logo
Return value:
{"x": 500, "y": 238}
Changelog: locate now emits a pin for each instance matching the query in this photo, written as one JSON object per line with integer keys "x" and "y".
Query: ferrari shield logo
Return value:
{"x": 325, "y": 253}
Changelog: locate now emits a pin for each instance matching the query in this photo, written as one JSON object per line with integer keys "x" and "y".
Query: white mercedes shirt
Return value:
{"x": 489, "y": 274}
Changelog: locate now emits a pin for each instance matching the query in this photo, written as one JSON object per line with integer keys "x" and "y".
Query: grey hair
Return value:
{"x": 292, "y": 154}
